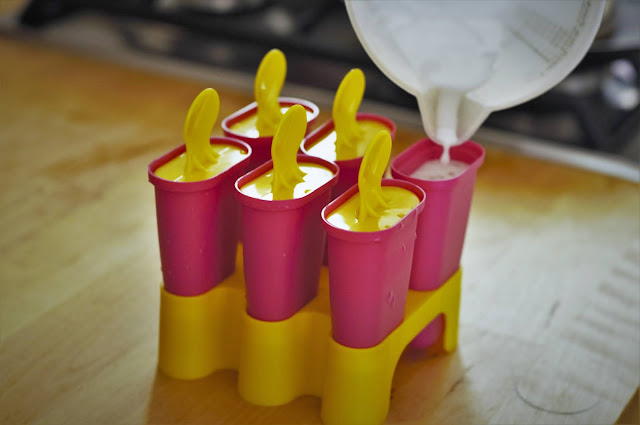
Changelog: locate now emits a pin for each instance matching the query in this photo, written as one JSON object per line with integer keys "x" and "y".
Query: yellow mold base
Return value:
{"x": 280, "y": 361}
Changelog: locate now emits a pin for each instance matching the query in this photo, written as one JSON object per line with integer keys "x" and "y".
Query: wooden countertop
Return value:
{"x": 551, "y": 291}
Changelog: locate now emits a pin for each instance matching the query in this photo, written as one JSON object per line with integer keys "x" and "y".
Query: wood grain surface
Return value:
{"x": 550, "y": 319}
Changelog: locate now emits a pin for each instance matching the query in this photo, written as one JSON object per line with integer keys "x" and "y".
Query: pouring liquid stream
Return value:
{"x": 460, "y": 59}
{"x": 463, "y": 59}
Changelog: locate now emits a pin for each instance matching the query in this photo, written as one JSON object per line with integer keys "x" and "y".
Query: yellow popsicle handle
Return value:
{"x": 268, "y": 83}
{"x": 289, "y": 135}
{"x": 345, "y": 106}
{"x": 198, "y": 125}
{"x": 376, "y": 158}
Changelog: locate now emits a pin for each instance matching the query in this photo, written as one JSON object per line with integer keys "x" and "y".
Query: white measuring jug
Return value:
{"x": 464, "y": 59}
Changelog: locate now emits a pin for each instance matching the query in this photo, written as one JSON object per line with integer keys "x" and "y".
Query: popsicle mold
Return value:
{"x": 280, "y": 361}
{"x": 348, "y": 167}
{"x": 283, "y": 245}
{"x": 443, "y": 223}
{"x": 261, "y": 145}
{"x": 197, "y": 224}
{"x": 369, "y": 274}
{"x": 275, "y": 320}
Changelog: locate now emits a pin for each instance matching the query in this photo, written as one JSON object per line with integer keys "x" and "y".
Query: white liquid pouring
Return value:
{"x": 458, "y": 58}
{"x": 464, "y": 59}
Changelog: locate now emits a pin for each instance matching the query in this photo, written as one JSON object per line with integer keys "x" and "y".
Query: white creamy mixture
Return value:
{"x": 457, "y": 57}
{"x": 463, "y": 59}
{"x": 443, "y": 51}
{"x": 438, "y": 170}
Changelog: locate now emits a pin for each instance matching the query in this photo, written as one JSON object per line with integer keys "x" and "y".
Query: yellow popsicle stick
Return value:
{"x": 345, "y": 106}
{"x": 198, "y": 125}
{"x": 289, "y": 135}
{"x": 268, "y": 83}
{"x": 376, "y": 158}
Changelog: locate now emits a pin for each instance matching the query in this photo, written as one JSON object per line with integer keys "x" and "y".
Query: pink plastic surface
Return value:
{"x": 443, "y": 223}
{"x": 261, "y": 146}
{"x": 197, "y": 225}
{"x": 348, "y": 168}
{"x": 369, "y": 274}
{"x": 282, "y": 246}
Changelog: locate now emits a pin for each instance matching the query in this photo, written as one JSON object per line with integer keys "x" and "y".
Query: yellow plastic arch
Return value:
{"x": 280, "y": 361}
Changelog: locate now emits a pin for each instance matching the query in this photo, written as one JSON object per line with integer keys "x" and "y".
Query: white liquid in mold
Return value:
{"x": 438, "y": 170}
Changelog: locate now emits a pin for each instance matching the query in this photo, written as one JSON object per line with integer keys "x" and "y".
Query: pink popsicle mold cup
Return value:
{"x": 349, "y": 168}
{"x": 261, "y": 146}
{"x": 197, "y": 225}
{"x": 369, "y": 274}
{"x": 443, "y": 223}
{"x": 283, "y": 244}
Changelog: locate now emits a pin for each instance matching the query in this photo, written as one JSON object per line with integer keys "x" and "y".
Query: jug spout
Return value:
{"x": 464, "y": 59}
{"x": 450, "y": 117}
